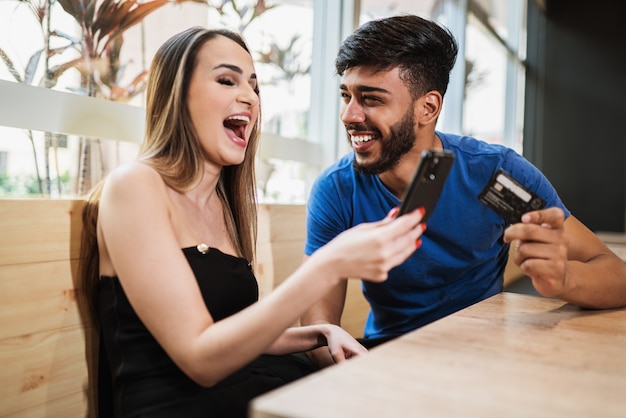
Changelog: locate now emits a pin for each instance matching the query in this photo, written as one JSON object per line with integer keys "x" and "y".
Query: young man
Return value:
{"x": 395, "y": 72}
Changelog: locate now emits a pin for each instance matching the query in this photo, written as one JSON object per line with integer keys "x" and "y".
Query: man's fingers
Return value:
{"x": 551, "y": 217}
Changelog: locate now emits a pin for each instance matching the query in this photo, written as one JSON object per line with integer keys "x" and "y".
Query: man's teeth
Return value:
{"x": 362, "y": 138}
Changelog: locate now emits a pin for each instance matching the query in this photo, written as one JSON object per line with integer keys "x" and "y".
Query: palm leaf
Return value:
{"x": 75, "y": 8}
{"x": 9, "y": 63}
{"x": 55, "y": 72}
{"x": 114, "y": 18}
{"x": 31, "y": 68}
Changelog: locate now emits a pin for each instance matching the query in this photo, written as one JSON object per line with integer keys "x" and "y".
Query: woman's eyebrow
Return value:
{"x": 230, "y": 67}
{"x": 234, "y": 68}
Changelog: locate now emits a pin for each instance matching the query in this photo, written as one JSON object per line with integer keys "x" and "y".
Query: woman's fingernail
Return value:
{"x": 422, "y": 211}
{"x": 393, "y": 212}
{"x": 418, "y": 243}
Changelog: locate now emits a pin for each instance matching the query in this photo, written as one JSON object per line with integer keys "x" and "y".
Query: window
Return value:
{"x": 294, "y": 44}
{"x": 493, "y": 101}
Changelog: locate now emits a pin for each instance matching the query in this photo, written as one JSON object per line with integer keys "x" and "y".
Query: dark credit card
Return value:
{"x": 509, "y": 198}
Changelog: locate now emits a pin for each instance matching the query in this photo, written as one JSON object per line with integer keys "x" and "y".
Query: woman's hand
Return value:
{"x": 369, "y": 250}
{"x": 341, "y": 345}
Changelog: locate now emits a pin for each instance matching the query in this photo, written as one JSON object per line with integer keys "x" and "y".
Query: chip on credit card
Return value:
{"x": 509, "y": 198}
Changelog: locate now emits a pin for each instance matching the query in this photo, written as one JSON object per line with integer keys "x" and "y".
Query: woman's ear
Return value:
{"x": 429, "y": 107}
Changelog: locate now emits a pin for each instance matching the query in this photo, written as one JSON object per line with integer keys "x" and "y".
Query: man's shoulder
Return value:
{"x": 481, "y": 156}
{"x": 340, "y": 167}
{"x": 341, "y": 171}
{"x": 472, "y": 147}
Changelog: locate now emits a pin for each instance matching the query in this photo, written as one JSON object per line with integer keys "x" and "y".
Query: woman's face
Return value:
{"x": 223, "y": 100}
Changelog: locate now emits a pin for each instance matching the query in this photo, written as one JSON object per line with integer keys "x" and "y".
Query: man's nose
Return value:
{"x": 352, "y": 112}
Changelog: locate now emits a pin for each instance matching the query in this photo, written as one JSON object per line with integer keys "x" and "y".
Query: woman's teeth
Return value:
{"x": 239, "y": 118}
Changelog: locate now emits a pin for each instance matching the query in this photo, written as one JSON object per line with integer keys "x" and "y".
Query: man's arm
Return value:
{"x": 565, "y": 259}
{"x": 327, "y": 311}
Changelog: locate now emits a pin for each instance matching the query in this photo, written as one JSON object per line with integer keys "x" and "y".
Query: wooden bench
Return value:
{"x": 47, "y": 344}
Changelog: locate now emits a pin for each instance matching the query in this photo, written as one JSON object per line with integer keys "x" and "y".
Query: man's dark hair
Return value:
{"x": 424, "y": 51}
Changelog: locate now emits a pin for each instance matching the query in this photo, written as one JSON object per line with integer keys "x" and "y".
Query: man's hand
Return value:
{"x": 540, "y": 249}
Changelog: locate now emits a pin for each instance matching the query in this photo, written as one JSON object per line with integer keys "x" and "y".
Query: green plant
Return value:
{"x": 245, "y": 14}
{"x": 28, "y": 185}
{"x": 95, "y": 55}
{"x": 287, "y": 58}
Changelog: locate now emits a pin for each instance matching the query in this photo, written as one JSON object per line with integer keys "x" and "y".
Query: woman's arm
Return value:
{"x": 138, "y": 236}
{"x": 339, "y": 343}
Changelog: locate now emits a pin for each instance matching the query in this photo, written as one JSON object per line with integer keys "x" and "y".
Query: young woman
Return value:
{"x": 169, "y": 244}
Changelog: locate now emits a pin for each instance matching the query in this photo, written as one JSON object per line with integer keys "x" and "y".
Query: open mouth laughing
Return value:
{"x": 237, "y": 124}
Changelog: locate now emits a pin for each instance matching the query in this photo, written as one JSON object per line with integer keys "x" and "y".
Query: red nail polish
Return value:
{"x": 418, "y": 243}
{"x": 394, "y": 212}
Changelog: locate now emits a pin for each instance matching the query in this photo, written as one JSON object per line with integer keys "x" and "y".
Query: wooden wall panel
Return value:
{"x": 68, "y": 406}
{"x": 38, "y": 297}
{"x": 286, "y": 257}
{"x": 355, "y": 310}
{"x": 34, "y": 230}
{"x": 46, "y": 350}
{"x": 286, "y": 222}
{"x": 43, "y": 367}
{"x": 264, "y": 268}
{"x": 280, "y": 246}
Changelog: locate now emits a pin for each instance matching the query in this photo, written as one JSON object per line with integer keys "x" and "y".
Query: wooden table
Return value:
{"x": 511, "y": 355}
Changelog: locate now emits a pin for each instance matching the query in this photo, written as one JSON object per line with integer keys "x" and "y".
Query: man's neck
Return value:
{"x": 398, "y": 178}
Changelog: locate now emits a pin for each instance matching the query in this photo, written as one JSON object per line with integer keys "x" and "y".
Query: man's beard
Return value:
{"x": 399, "y": 143}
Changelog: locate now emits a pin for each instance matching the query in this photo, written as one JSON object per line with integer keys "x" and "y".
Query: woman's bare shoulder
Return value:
{"x": 134, "y": 182}
{"x": 136, "y": 172}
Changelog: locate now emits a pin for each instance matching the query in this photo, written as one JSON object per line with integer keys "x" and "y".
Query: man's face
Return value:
{"x": 378, "y": 113}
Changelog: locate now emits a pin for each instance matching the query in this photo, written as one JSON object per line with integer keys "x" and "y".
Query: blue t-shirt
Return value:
{"x": 462, "y": 257}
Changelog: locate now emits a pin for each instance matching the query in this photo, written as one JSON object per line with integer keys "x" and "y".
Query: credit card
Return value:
{"x": 509, "y": 198}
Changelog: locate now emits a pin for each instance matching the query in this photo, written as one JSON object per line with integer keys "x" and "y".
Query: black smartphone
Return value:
{"x": 430, "y": 176}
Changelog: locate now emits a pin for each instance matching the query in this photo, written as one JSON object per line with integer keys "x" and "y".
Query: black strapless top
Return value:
{"x": 146, "y": 382}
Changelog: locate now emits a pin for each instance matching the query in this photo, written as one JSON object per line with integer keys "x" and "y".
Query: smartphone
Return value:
{"x": 430, "y": 176}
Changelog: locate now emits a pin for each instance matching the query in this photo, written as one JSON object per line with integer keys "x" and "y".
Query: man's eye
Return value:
{"x": 226, "y": 81}
{"x": 371, "y": 99}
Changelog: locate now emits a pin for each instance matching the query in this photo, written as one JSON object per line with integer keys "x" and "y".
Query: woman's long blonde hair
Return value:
{"x": 172, "y": 148}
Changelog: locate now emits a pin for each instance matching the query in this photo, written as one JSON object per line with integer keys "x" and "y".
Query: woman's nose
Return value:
{"x": 249, "y": 96}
